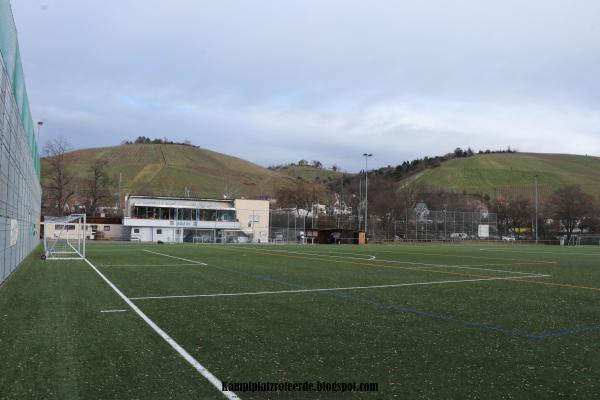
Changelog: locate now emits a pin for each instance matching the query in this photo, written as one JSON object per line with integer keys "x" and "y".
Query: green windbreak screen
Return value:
{"x": 9, "y": 49}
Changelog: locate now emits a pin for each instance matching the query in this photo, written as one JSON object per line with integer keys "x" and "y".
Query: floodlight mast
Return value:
{"x": 366, "y": 156}
{"x": 39, "y": 126}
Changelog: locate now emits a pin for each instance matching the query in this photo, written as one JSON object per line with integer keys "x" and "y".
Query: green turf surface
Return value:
{"x": 499, "y": 329}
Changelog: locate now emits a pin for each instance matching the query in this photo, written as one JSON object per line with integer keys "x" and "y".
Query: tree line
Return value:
{"x": 408, "y": 168}
{"x": 565, "y": 211}
{"x": 147, "y": 140}
{"x": 93, "y": 188}
{"x": 304, "y": 163}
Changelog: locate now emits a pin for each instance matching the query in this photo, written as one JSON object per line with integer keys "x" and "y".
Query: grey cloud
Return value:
{"x": 273, "y": 82}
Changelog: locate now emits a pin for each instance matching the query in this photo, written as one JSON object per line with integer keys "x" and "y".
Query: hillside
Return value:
{"x": 510, "y": 175}
{"x": 309, "y": 173}
{"x": 170, "y": 169}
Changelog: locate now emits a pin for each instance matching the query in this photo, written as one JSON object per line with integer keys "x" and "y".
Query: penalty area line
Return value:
{"x": 331, "y": 289}
{"x": 177, "y": 258}
{"x": 146, "y": 265}
{"x": 216, "y": 382}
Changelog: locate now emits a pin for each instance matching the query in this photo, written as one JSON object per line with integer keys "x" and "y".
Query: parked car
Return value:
{"x": 509, "y": 238}
{"x": 458, "y": 236}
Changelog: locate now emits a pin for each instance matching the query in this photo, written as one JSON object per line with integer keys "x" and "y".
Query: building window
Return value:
{"x": 136, "y": 230}
{"x": 106, "y": 228}
{"x": 159, "y": 231}
{"x": 59, "y": 227}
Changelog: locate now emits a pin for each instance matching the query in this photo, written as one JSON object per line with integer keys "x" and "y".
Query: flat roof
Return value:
{"x": 136, "y": 196}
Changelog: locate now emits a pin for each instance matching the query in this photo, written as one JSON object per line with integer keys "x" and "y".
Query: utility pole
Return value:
{"x": 366, "y": 156}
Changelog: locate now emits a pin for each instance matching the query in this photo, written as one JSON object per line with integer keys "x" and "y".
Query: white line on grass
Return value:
{"x": 371, "y": 258}
{"x": 178, "y": 258}
{"x": 331, "y": 289}
{"x": 462, "y": 267}
{"x": 147, "y": 265}
{"x": 414, "y": 263}
{"x": 111, "y": 311}
{"x": 566, "y": 253}
{"x": 216, "y": 382}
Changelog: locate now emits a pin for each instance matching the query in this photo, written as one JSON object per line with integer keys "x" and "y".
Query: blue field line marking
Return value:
{"x": 594, "y": 328}
{"x": 427, "y": 314}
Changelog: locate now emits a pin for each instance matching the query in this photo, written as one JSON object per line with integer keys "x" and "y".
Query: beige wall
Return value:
{"x": 253, "y": 217}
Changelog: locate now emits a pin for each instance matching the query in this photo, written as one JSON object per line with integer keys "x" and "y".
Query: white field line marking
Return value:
{"x": 371, "y": 258}
{"x": 566, "y": 253}
{"x": 178, "y": 258}
{"x": 111, "y": 311}
{"x": 145, "y": 265}
{"x": 410, "y": 252}
{"x": 216, "y": 382}
{"x": 415, "y": 263}
{"x": 331, "y": 289}
{"x": 462, "y": 267}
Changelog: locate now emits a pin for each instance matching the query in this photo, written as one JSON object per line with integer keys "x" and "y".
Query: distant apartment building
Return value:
{"x": 195, "y": 220}
{"x": 96, "y": 228}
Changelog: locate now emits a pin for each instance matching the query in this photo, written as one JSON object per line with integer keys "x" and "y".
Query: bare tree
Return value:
{"x": 387, "y": 203}
{"x": 58, "y": 179}
{"x": 98, "y": 184}
{"x": 593, "y": 222}
{"x": 408, "y": 197}
{"x": 230, "y": 191}
{"x": 571, "y": 207}
{"x": 302, "y": 195}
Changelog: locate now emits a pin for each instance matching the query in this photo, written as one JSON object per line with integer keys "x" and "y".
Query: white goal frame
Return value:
{"x": 68, "y": 241}
{"x": 585, "y": 239}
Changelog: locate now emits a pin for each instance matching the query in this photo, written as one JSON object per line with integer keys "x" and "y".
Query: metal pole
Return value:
{"x": 416, "y": 225}
{"x": 84, "y": 232}
{"x": 445, "y": 231}
{"x": 366, "y": 155}
{"x": 39, "y": 126}
{"x": 536, "y": 209}
{"x": 359, "y": 200}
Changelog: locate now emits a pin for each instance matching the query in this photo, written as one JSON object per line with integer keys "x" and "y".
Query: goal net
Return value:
{"x": 586, "y": 239}
{"x": 64, "y": 237}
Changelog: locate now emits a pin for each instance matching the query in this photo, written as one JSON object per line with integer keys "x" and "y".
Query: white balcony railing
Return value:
{"x": 165, "y": 223}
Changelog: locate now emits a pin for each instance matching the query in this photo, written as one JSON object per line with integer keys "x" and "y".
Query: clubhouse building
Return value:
{"x": 194, "y": 220}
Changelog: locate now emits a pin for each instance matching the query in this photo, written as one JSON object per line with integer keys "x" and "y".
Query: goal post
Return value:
{"x": 65, "y": 237}
{"x": 585, "y": 239}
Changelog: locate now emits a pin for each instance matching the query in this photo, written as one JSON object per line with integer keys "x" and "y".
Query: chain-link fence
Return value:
{"x": 436, "y": 225}
{"x": 20, "y": 191}
{"x": 291, "y": 226}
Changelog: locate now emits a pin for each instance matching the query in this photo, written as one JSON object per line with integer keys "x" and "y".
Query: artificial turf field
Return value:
{"x": 421, "y": 321}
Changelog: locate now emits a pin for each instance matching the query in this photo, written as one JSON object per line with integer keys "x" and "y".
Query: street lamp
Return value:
{"x": 39, "y": 126}
{"x": 366, "y": 156}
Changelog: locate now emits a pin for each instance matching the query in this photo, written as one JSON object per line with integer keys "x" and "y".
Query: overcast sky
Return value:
{"x": 275, "y": 81}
